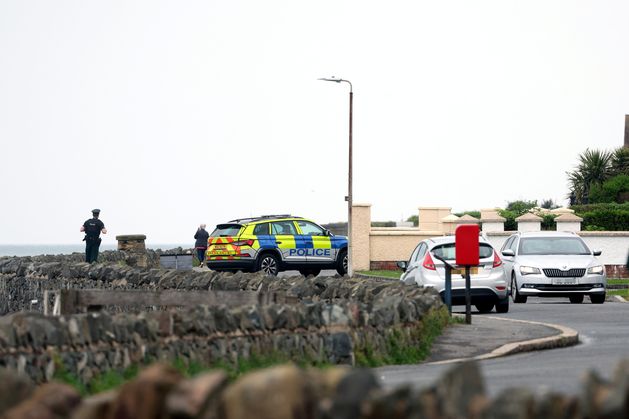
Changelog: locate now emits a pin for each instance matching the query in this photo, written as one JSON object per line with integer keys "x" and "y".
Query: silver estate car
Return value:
{"x": 488, "y": 283}
{"x": 553, "y": 264}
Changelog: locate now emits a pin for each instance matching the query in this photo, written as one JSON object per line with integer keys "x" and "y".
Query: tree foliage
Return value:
{"x": 610, "y": 191}
{"x": 593, "y": 169}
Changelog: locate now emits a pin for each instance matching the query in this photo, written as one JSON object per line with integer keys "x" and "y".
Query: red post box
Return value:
{"x": 466, "y": 245}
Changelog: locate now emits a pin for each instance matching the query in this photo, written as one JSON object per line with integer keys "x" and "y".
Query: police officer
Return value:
{"x": 92, "y": 228}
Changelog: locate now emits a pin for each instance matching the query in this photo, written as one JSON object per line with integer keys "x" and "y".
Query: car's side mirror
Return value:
{"x": 597, "y": 252}
{"x": 327, "y": 233}
{"x": 508, "y": 252}
{"x": 402, "y": 265}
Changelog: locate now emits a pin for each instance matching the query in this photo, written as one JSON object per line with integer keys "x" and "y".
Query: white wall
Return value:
{"x": 614, "y": 248}
{"x": 614, "y": 245}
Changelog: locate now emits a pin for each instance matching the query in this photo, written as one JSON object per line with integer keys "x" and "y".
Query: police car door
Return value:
{"x": 317, "y": 242}
{"x": 288, "y": 242}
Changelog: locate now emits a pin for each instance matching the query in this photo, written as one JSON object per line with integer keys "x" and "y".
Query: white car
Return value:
{"x": 488, "y": 281}
{"x": 553, "y": 264}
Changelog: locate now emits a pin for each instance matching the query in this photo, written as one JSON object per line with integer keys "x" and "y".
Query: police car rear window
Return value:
{"x": 224, "y": 230}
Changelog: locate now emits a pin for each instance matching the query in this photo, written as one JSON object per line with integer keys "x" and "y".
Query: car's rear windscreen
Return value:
{"x": 447, "y": 251}
{"x": 225, "y": 230}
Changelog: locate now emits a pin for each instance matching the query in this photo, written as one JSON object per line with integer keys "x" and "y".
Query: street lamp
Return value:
{"x": 348, "y": 198}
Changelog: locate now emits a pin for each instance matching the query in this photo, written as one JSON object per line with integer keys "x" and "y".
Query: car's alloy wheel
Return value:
{"x": 268, "y": 265}
{"x": 517, "y": 298}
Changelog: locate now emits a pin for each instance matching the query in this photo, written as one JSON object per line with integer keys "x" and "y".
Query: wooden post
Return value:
{"x": 69, "y": 301}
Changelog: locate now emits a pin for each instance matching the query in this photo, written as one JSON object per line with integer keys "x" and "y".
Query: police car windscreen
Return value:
{"x": 224, "y": 230}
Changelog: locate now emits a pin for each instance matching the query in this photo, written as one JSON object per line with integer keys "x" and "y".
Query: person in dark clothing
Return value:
{"x": 200, "y": 245}
{"x": 92, "y": 229}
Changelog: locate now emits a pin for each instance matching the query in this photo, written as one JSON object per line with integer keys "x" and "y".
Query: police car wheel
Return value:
{"x": 342, "y": 262}
{"x": 268, "y": 264}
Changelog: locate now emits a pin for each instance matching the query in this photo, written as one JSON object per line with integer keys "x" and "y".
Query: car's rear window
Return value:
{"x": 447, "y": 251}
{"x": 552, "y": 246}
{"x": 224, "y": 230}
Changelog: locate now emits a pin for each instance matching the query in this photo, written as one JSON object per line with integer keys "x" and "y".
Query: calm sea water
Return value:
{"x": 66, "y": 249}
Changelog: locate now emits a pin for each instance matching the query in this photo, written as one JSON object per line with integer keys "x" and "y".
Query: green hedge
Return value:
{"x": 606, "y": 219}
{"x": 607, "y": 216}
{"x": 580, "y": 209}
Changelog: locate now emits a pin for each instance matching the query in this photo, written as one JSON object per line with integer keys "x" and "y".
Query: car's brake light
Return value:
{"x": 497, "y": 260}
{"x": 243, "y": 242}
{"x": 428, "y": 263}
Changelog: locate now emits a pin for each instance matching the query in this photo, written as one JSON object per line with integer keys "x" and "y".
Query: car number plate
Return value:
{"x": 461, "y": 271}
{"x": 564, "y": 281}
{"x": 220, "y": 252}
{"x": 215, "y": 247}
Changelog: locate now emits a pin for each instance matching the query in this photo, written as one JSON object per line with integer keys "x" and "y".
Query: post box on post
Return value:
{"x": 467, "y": 254}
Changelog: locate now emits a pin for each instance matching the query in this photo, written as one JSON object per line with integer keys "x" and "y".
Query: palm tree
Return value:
{"x": 593, "y": 169}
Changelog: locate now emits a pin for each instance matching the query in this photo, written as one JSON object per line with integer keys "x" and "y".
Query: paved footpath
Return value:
{"x": 489, "y": 336}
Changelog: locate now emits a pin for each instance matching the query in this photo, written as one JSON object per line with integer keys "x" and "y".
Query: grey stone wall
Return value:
{"x": 333, "y": 316}
{"x": 24, "y": 280}
{"x": 287, "y": 392}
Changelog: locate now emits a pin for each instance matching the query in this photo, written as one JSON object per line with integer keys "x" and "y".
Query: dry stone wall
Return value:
{"x": 334, "y": 316}
{"x": 288, "y": 392}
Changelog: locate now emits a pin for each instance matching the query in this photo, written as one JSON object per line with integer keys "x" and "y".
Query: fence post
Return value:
{"x": 69, "y": 301}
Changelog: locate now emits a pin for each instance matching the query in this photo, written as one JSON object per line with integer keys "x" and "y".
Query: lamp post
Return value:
{"x": 348, "y": 198}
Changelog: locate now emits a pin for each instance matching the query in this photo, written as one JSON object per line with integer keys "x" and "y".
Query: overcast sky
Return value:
{"x": 167, "y": 114}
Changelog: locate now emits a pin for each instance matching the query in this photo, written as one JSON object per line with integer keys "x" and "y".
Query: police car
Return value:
{"x": 275, "y": 243}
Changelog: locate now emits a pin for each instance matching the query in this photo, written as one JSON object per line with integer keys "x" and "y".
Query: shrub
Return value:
{"x": 548, "y": 221}
{"x": 607, "y": 219}
{"x": 475, "y": 214}
{"x": 610, "y": 190}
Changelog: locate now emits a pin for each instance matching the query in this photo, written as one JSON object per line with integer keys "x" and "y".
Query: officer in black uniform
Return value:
{"x": 92, "y": 228}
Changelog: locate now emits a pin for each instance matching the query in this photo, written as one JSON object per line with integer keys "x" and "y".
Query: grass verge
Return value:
{"x": 623, "y": 293}
{"x": 405, "y": 346}
{"x": 385, "y": 274}
{"x": 618, "y": 281}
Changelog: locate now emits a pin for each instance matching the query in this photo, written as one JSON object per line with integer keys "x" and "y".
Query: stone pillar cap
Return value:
{"x": 528, "y": 217}
{"x": 569, "y": 217}
{"x": 131, "y": 237}
{"x": 467, "y": 219}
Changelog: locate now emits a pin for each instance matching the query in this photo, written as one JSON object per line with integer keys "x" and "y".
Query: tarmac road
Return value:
{"x": 604, "y": 341}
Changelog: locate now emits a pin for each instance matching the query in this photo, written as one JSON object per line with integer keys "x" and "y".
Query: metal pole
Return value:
{"x": 350, "y": 269}
{"x": 468, "y": 297}
{"x": 449, "y": 288}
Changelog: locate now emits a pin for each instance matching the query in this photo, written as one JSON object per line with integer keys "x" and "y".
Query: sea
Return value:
{"x": 67, "y": 249}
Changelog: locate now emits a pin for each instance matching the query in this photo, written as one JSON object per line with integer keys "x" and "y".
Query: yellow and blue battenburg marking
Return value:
{"x": 248, "y": 245}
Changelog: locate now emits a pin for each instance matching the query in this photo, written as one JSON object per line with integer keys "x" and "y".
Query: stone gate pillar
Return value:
{"x": 133, "y": 245}
{"x": 361, "y": 227}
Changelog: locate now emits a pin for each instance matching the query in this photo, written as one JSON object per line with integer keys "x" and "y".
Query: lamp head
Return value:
{"x": 334, "y": 79}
